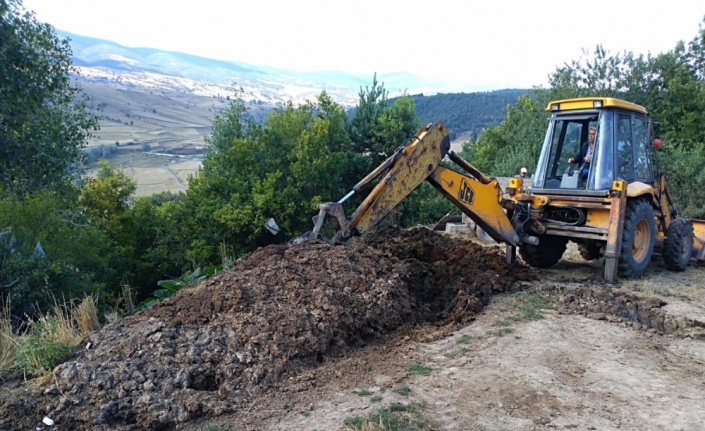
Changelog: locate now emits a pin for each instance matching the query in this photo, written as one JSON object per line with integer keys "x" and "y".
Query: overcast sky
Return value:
{"x": 488, "y": 44}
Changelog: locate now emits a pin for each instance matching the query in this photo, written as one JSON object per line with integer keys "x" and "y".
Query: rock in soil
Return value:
{"x": 213, "y": 349}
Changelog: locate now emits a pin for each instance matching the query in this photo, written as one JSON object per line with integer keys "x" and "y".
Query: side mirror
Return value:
{"x": 656, "y": 144}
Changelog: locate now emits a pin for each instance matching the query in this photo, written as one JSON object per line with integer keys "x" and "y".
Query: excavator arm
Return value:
{"x": 419, "y": 159}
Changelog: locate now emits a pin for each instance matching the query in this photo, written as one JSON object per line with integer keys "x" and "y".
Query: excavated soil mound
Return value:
{"x": 214, "y": 349}
{"x": 622, "y": 306}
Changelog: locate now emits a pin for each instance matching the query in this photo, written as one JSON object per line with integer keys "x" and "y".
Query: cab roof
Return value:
{"x": 590, "y": 103}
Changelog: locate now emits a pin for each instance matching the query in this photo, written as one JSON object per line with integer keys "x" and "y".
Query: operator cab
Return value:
{"x": 620, "y": 151}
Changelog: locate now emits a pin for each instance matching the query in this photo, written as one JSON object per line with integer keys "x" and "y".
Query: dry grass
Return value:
{"x": 86, "y": 316}
{"x": 47, "y": 339}
{"x": 61, "y": 325}
{"x": 647, "y": 287}
{"x": 8, "y": 340}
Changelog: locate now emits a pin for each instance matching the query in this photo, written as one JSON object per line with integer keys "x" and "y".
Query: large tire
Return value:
{"x": 546, "y": 254}
{"x": 590, "y": 250}
{"x": 638, "y": 239}
{"x": 678, "y": 244}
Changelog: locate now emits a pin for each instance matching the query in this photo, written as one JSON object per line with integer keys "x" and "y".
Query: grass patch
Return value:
{"x": 43, "y": 346}
{"x": 528, "y": 307}
{"x": 464, "y": 339}
{"x": 462, "y": 352}
{"x": 523, "y": 307}
{"x": 48, "y": 339}
{"x": 395, "y": 417}
{"x": 382, "y": 390}
{"x": 376, "y": 399}
{"x": 501, "y": 332}
{"x": 419, "y": 369}
{"x": 362, "y": 393}
{"x": 404, "y": 391}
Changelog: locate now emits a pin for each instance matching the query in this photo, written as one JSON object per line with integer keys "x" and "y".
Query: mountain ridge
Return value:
{"x": 281, "y": 85}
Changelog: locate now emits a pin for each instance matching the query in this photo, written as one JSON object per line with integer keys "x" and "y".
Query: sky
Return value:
{"x": 473, "y": 44}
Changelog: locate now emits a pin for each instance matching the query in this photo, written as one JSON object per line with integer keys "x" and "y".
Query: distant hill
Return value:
{"x": 466, "y": 113}
{"x": 102, "y": 60}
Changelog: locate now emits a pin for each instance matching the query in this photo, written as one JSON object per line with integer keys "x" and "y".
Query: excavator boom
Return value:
{"x": 417, "y": 160}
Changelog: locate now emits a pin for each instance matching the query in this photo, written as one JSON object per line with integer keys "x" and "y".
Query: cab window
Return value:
{"x": 642, "y": 163}
{"x": 625, "y": 148}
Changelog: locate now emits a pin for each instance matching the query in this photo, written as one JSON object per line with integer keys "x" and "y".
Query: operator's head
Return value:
{"x": 522, "y": 172}
{"x": 591, "y": 135}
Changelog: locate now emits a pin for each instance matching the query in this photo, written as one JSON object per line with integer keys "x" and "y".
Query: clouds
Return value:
{"x": 495, "y": 44}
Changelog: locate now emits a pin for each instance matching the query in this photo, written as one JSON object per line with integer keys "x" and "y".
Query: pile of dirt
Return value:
{"x": 620, "y": 305}
{"x": 214, "y": 349}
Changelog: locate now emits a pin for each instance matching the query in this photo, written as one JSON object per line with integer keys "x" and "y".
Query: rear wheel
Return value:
{"x": 678, "y": 244}
{"x": 547, "y": 253}
{"x": 638, "y": 239}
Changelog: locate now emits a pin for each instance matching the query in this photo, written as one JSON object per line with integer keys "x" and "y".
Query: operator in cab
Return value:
{"x": 584, "y": 156}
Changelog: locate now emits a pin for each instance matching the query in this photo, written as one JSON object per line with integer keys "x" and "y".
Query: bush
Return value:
{"x": 684, "y": 167}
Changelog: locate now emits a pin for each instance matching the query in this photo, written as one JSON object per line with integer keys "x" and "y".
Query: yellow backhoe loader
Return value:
{"x": 614, "y": 203}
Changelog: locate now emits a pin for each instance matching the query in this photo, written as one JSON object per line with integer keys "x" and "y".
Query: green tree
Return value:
{"x": 299, "y": 157}
{"x": 75, "y": 259}
{"x": 44, "y": 121}
{"x": 378, "y": 127}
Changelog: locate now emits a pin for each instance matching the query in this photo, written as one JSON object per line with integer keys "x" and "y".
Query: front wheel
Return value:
{"x": 638, "y": 239}
{"x": 547, "y": 253}
{"x": 678, "y": 244}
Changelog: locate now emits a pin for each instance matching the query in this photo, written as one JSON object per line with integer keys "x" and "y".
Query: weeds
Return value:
{"x": 46, "y": 343}
{"x": 395, "y": 417}
{"x": 128, "y": 296}
{"x": 375, "y": 399}
{"x": 362, "y": 393}
{"x": 419, "y": 369}
{"x": 404, "y": 391}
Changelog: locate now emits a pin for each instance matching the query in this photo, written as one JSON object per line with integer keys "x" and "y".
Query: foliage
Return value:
{"x": 514, "y": 143}
{"x": 465, "y": 112}
{"x": 684, "y": 167}
{"x": 298, "y": 158}
{"x": 76, "y": 258}
{"x": 378, "y": 127}
{"x": 44, "y": 121}
{"x": 170, "y": 287}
